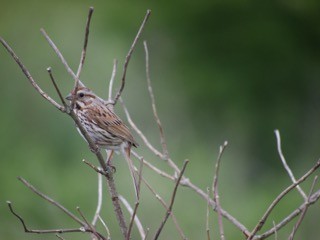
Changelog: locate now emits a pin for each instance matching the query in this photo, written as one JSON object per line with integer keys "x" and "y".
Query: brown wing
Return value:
{"x": 108, "y": 120}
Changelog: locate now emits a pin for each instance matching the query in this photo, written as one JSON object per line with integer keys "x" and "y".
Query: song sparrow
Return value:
{"x": 104, "y": 127}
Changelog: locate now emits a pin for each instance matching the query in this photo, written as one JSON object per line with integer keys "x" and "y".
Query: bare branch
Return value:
{"x": 279, "y": 197}
{"x": 163, "y": 203}
{"x": 139, "y": 132}
{"x": 207, "y": 215}
{"x": 60, "y": 56}
{"x": 275, "y": 233}
{"x": 50, "y": 200}
{"x": 125, "y": 66}
{"x": 58, "y": 236}
{"x": 97, "y": 169}
{"x": 84, "y": 50}
{"x": 284, "y": 162}
{"x": 304, "y": 211}
{"x": 216, "y": 197}
{"x": 92, "y": 229}
{"x": 313, "y": 199}
{"x": 172, "y": 201}
{"x": 153, "y": 103}
{"x": 99, "y": 204}
{"x": 137, "y": 202}
{"x": 57, "y": 88}
{"x": 27, "y": 230}
{"x": 152, "y": 167}
{"x": 113, "y": 75}
{"x": 136, "y": 219}
{"x": 106, "y": 227}
{"x": 30, "y": 78}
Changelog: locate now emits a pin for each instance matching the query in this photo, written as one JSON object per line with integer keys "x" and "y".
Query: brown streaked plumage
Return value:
{"x": 104, "y": 127}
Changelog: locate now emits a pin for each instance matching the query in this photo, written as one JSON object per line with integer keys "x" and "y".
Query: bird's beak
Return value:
{"x": 69, "y": 97}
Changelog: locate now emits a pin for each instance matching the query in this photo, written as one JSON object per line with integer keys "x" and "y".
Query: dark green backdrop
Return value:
{"x": 221, "y": 70}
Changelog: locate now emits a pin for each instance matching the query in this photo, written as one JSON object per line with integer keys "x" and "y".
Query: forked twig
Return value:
{"x": 125, "y": 66}
{"x": 50, "y": 200}
{"x": 66, "y": 230}
{"x": 216, "y": 197}
{"x": 106, "y": 227}
{"x": 172, "y": 201}
{"x": 304, "y": 211}
{"x": 279, "y": 197}
{"x": 313, "y": 199}
{"x": 284, "y": 162}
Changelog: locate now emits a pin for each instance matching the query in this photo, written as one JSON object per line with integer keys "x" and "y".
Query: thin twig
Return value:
{"x": 45, "y": 231}
{"x": 147, "y": 233}
{"x": 106, "y": 227}
{"x": 49, "y": 70}
{"x": 313, "y": 199}
{"x": 50, "y": 200}
{"x": 60, "y": 237}
{"x": 125, "y": 66}
{"x": 147, "y": 142}
{"x": 85, "y": 44}
{"x": 30, "y": 78}
{"x": 137, "y": 202}
{"x": 207, "y": 216}
{"x": 60, "y": 56}
{"x": 163, "y": 203}
{"x": 276, "y": 232}
{"x": 136, "y": 219}
{"x": 99, "y": 204}
{"x": 153, "y": 103}
{"x": 93, "y": 230}
{"x": 139, "y": 132}
{"x": 279, "y": 197}
{"x": 298, "y": 223}
{"x": 284, "y": 162}
{"x": 172, "y": 201}
{"x": 152, "y": 167}
{"x": 98, "y": 170}
{"x": 215, "y": 191}
{"x": 113, "y": 75}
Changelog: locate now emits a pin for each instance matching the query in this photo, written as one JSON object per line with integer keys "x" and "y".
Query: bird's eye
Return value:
{"x": 81, "y": 95}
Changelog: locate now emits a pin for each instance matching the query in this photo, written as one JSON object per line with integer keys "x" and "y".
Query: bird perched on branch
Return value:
{"x": 103, "y": 126}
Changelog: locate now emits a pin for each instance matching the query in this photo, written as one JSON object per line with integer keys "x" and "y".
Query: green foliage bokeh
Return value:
{"x": 221, "y": 70}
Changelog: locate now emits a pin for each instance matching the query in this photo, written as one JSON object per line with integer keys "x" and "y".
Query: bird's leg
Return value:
{"x": 109, "y": 158}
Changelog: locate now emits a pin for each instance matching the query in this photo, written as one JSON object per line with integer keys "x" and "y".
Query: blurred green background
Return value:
{"x": 221, "y": 70}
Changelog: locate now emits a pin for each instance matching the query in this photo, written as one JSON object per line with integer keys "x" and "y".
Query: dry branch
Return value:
{"x": 279, "y": 197}
{"x": 286, "y": 166}
{"x": 126, "y": 63}
{"x": 216, "y": 196}
{"x": 171, "y": 202}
